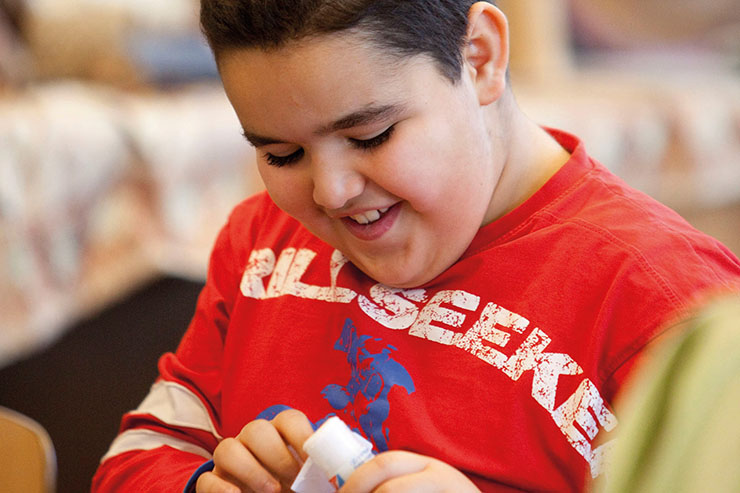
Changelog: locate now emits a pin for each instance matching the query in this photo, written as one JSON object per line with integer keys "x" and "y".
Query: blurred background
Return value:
{"x": 120, "y": 159}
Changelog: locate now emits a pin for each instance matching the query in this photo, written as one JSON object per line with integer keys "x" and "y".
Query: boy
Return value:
{"x": 462, "y": 287}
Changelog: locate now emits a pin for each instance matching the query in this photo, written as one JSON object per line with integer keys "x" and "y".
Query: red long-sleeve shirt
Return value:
{"x": 504, "y": 366}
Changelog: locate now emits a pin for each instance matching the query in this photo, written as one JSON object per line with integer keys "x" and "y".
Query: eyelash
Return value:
{"x": 279, "y": 161}
{"x": 374, "y": 142}
{"x": 363, "y": 145}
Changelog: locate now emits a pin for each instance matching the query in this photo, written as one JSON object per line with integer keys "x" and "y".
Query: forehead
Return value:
{"x": 315, "y": 57}
{"x": 319, "y": 79}
{"x": 333, "y": 43}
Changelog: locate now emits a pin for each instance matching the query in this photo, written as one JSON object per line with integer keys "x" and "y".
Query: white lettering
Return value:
{"x": 260, "y": 265}
{"x": 545, "y": 382}
{"x": 434, "y": 312}
{"x": 485, "y": 329}
{"x": 287, "y": 273}
{"x": 526, "y": 355}
{"x": 277, "y": 285}
{"x": 547, "y": 367}
{"x": 337, "y": 294}
{"x": 576, "y": 410}
{"x": 389, "y": 309}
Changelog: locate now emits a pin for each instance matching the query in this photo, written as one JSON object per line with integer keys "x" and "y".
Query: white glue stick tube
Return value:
{"x": 337, "y": 450}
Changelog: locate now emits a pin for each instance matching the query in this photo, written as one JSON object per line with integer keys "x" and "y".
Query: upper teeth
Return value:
{"x": 369, "y": 216}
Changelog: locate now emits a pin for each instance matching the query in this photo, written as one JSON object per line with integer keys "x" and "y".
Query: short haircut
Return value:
{"x": 402, "y": 28}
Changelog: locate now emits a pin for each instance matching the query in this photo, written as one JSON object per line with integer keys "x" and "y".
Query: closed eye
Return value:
{"x": 278, "y": 161}
{"x": 371, "y": 143}
{"x": 362, "y": 144}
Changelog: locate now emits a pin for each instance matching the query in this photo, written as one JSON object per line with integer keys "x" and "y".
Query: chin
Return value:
{"x": 399, "y": 280}
{"x": 401, "y": 275}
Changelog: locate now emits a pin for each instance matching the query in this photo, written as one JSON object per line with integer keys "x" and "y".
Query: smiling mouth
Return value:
{"x": 369, "y": 217}
{"x": 374, "y": 224}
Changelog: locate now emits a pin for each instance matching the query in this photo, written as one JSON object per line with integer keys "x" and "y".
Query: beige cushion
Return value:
{"x": 27, "y": 458}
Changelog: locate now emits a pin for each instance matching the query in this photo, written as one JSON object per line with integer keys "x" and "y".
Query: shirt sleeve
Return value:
{"x": 176, "y": 427}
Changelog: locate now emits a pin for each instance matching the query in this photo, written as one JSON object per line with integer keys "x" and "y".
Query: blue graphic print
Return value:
{"x": 372, "y": 376}
{"x": 364, "y": 398}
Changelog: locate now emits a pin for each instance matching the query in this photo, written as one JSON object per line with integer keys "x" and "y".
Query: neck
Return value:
{"x": 531, "y": 158}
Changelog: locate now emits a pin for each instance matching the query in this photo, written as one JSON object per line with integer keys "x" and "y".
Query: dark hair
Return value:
{"x": 404, "y": 28}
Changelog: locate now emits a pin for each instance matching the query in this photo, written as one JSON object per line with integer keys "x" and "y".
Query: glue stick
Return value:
{"x": 337, "y": 450}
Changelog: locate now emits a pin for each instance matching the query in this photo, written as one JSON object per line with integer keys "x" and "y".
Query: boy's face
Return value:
{"x": 387, "y": 161}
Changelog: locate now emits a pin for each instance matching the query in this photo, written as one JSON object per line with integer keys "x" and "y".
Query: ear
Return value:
{"x": 486, "y": 54}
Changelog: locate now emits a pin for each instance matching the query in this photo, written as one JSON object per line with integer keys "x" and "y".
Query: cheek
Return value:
{"x": 286, "y": 189}
{"x": 427, "y": 167}
{"x": 416, "y": 161}
{"x": 405, "y": 173}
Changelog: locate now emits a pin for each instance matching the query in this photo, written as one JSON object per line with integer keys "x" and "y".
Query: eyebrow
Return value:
{"x": 365, "y": 116}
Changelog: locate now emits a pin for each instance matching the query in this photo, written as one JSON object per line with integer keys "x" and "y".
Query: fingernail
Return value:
{"x": 272, "y": 486}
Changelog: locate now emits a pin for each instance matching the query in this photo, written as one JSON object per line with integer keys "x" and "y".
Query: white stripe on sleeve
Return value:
{"x": 147, "y": 440}
{"x": 176, "y": 405}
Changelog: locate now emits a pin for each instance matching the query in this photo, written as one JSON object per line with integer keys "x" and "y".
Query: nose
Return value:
{"x": 336, "y": 182}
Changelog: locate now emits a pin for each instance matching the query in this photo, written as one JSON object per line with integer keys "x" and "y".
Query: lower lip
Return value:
{"x": 375, "y": 230}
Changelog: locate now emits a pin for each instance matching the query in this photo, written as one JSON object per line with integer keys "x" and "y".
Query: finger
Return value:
{"x": 406, "y": 472}
{"x": 382, "y": 468}
{"x": 419, "y": 482}
{"x": 211, "y": 483}
{"x": 235, "y": 463}
{"x": 267, "y": 445}
{"x": 295, "y": 428}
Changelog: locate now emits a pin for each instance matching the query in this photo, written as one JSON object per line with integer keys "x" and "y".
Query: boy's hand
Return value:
{"x": 404, "y": 472}
{"x": 259, "y": 458}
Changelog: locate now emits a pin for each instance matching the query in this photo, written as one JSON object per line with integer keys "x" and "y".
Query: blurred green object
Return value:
{"x": 680, "y": 429}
